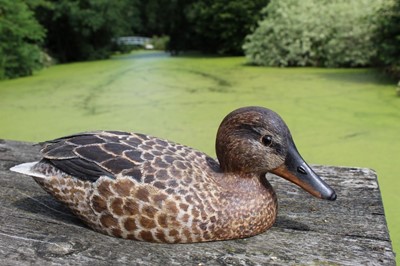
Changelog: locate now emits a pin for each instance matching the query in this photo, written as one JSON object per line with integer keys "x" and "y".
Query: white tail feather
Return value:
{"x": 26, "y": 169}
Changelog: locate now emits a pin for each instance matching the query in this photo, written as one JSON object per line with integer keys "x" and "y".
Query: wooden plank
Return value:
{"x": 37, "y": 230}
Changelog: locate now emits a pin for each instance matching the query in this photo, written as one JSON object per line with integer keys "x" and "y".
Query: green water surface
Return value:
{"x": 346, "y": 117}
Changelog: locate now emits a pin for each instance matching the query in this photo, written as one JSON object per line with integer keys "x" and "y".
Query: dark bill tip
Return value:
{"x": 296, "y": 170}
{"x": 332, "y": 197}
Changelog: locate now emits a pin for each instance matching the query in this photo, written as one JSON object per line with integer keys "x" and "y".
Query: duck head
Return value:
{"x": 255, "y": 140}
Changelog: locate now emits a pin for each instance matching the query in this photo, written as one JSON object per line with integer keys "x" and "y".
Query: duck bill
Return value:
{"x": 296, "y": 170}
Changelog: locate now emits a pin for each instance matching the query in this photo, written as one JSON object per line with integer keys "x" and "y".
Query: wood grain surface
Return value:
{"x": 37, "y": 230}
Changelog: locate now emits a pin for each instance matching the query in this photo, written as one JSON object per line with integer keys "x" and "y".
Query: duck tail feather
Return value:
{"x": 27, "y": 169}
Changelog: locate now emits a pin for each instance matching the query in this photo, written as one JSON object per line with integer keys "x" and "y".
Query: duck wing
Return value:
{"x": 88, "y": 156}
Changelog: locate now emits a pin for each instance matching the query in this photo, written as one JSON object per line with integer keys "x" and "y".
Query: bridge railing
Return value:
{"x": 133, "y": 40}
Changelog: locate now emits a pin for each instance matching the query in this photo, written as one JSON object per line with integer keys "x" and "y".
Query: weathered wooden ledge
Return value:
{"x": 37, "y": 230}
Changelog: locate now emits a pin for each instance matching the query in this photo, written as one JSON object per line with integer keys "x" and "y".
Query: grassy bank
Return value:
{"x": 337, "y": 116}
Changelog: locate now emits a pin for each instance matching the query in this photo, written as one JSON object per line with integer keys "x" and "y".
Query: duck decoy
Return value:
{"x": 140, "y": 187}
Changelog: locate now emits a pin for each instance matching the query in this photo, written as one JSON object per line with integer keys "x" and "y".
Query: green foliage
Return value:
{"x": 160, "y": 42}
{"x": 84, "y": 29}
{"x": 20, "y": 37}
{"x": 212, "y": 26}
{"x": 221, "y": 25}
{"x": 154, "y": 17}
{"x": 314, "y": 33}
{"x": 165, "y": 17}
{"x": 388, "y": 37}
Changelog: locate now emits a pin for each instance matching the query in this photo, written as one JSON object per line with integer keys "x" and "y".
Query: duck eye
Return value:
{"x": 267, "y": 140}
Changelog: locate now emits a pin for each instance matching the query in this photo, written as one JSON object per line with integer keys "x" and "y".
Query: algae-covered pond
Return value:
{"x": 347, "y": 117}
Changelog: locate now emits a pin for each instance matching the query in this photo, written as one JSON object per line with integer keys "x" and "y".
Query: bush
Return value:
{"x": 314, "y": 33}
{"x": 20, "y": 36}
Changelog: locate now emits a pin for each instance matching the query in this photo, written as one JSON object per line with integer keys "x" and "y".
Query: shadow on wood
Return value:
{"x": 48, "y": 208}
{"x": 36, "y": 229}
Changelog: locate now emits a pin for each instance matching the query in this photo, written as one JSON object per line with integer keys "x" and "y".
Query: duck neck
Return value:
{"x": 246, "y": 184}
{"x": 249, "y": 204}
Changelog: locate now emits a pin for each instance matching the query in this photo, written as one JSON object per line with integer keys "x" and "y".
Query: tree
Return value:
{"x": 314, "y": 33}
{"x": 220, "y": 26}
{"x": 84, "y": 29}
{"x": 165, "y": 18}
{"x": 21, "y": 36}
{"x": 388, "y": 37}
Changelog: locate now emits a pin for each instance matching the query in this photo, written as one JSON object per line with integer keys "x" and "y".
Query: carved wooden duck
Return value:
{"x": 144, "y": 188}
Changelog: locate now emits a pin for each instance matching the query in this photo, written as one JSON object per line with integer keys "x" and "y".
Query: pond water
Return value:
{"x": 347, "y": 117}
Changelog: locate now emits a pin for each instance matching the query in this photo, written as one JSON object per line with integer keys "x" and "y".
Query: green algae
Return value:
{"x": 346, "y": 117}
